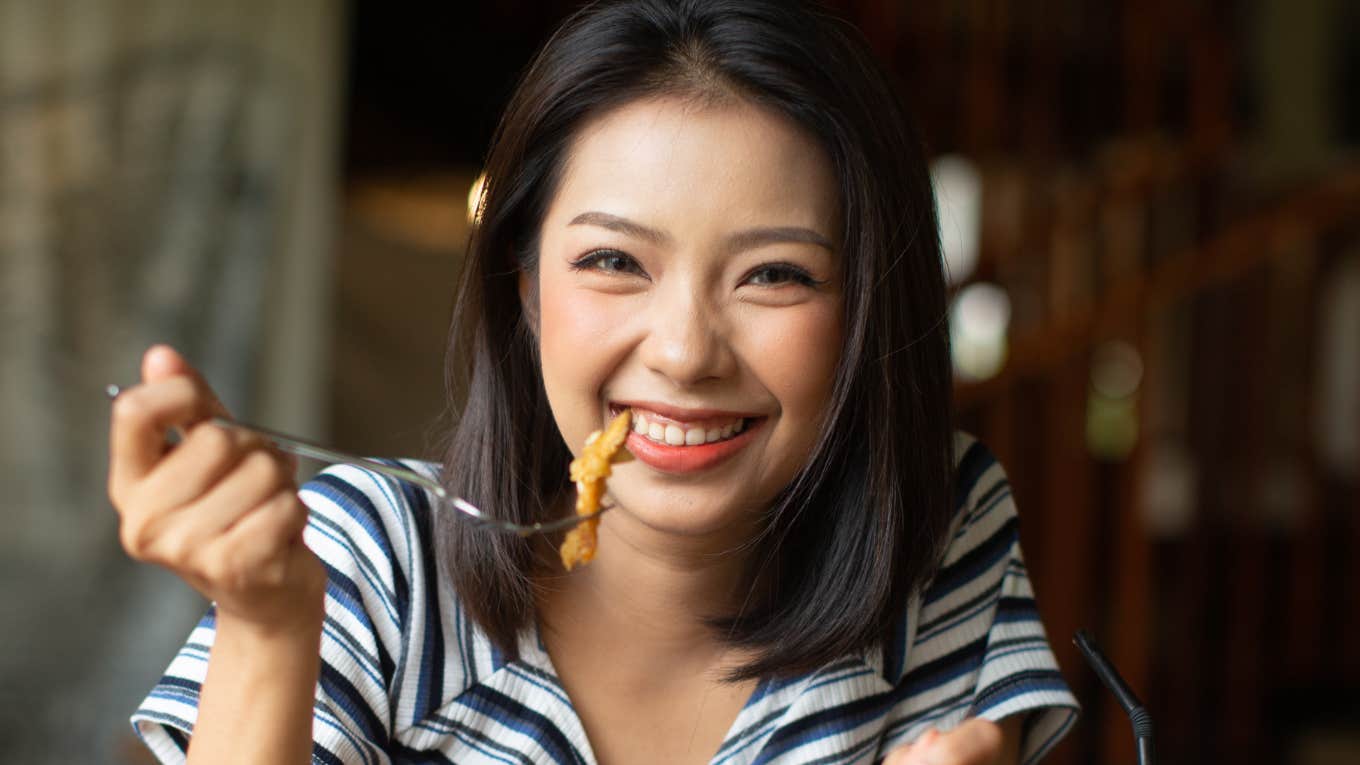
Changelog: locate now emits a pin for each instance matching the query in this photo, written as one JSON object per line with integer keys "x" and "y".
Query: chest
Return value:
{"x": 667, "y": 719}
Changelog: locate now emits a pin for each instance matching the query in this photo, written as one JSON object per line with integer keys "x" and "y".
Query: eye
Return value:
{"x": 608, "y": 261}
{"x": 780, "y": 274}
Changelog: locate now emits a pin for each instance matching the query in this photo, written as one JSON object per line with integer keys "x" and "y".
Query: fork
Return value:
{"x": 304, "y": 448}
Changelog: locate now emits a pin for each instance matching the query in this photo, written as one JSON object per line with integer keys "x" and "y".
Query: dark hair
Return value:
{"x": 863, "y": 524}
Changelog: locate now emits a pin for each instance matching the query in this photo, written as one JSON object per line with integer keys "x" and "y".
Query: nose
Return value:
{"x": 687, "y": 339}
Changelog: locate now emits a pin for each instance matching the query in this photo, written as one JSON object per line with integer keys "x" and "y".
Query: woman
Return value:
{"x": 715, "y": 215}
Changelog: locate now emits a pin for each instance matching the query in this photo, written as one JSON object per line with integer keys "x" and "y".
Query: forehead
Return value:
{"x": 681, "y": 156}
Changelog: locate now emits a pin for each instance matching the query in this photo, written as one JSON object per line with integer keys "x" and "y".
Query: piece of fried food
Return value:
{"x": 589, "y": 471}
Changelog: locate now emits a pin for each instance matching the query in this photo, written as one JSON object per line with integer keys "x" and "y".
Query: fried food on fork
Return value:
{"x": 589, "y": 471}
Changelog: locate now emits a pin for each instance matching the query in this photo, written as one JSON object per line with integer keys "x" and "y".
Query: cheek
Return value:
{"x": 798, "y": 359}
{"x": 575, "y": 327}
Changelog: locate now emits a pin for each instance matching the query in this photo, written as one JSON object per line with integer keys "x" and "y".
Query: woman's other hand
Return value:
{"x": 975, "y": 742}
{"x": 219, "y": 509}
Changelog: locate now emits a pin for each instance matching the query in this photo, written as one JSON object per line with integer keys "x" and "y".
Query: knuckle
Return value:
{"x": 267, "y": 466}
{"x": 138, "y": 538}
{"x": 214, "y": 442}
{"x": 274, "y": 573}
{"x": 256, "y": 465}
{"x": 176, "y": 551}
{"x": 216, "y": 569}
{"x": 130, "y": 537}
{"x": 129, "y": 409}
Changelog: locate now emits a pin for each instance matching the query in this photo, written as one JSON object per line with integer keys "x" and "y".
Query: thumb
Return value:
{"x": 161, "y": 362}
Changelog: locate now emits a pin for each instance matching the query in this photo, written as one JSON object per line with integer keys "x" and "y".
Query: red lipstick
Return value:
{"x": 689, "y": 459}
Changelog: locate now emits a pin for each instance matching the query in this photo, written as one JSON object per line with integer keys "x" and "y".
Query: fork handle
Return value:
{"x": 304, "y": 448}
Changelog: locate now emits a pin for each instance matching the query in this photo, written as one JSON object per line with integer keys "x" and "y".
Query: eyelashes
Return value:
{"x": 778, "y": 274}
{"x": 608, "y": 261}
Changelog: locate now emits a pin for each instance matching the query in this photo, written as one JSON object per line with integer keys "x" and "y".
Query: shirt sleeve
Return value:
{"x": 979, "y": 648}
{"x": 359, "y": 528}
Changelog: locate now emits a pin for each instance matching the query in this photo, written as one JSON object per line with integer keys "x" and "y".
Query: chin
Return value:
{"x": 683, "y": 512}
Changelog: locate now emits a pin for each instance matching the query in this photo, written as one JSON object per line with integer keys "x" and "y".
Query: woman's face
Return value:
{"x": 688, "y": 270}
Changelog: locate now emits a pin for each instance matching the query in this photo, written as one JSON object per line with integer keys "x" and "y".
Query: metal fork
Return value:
{"x": 304, "y": 448}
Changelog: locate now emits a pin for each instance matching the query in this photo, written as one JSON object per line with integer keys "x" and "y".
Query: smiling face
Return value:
{"x": 688, "y": 269}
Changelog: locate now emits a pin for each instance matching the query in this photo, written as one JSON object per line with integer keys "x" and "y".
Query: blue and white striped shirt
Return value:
{"x": 406, "y": 676}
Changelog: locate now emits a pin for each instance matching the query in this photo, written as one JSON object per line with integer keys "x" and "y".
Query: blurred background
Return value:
{"x": 1151, "y": 210}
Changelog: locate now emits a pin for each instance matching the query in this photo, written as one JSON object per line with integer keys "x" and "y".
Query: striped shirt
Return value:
{"x": 406, "y": 676}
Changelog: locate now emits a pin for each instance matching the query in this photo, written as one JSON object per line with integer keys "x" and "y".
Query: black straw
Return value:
{"x": 1138, "y": 715}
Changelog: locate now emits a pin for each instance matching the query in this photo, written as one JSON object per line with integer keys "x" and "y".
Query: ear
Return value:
{"x": 528, "y": 300}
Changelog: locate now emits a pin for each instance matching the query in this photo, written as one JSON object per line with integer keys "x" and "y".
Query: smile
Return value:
{"x": 686, "y": 441}
{"x": 672, "y": 433}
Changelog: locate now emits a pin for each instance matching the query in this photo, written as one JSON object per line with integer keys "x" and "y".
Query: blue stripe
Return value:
{"x": 895, "y": 650}
{"x": 998, "y": 493}
{"x": 540, "y": 680}
{"x": 973, "y": 563}
{"x": 748, "y": 736}
{"x": 342, "y": 692}
{"x": 1015, "y": 608}
{"x": 984, "y": 600}
{"x": 522, "y": 719}
{"x": 430, "y": 683}
{"x": 361, "y": 747}
{"x": 474, "y": 739}
{"x": 960, "y": 661}
{"x": 177, "y": 696}
{"x": 821, "y": 724}
{"x": 1017, "y": 684}
{"x": 976, "y": 461}
{"x": 362, "y": 565}
{"x": 341, "y": 589}
{"x": 341, "y": 637}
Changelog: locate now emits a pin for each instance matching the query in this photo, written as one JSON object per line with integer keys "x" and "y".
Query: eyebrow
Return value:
{"x": 742, "y": 240}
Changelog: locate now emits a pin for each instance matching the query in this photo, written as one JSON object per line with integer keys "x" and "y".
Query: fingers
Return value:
{"x": 256, "y": 548}
{"x": 244, "y": 524}
{"x": 975, "y": 742}
{"x": 206, "y": 455}
{"x": 142, "y": 416}
{"x": 161, "y": 362}
{"x": 172, "y": 395}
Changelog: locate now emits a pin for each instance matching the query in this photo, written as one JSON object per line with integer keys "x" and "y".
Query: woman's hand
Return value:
{"x": 975, "y": 742}
{"x": 219, "y": 509}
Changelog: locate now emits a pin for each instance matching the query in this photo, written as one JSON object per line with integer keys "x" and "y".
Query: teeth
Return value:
{"x": 674, "y": 435}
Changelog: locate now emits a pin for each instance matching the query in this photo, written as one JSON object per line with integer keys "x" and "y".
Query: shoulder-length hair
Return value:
{"x": 863, "y": 524}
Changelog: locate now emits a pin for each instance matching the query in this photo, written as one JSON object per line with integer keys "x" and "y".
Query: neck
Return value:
{"x": 650, "y": 591}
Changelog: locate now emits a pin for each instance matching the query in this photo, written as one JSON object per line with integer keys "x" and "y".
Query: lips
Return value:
{"x": 675, "y": 440}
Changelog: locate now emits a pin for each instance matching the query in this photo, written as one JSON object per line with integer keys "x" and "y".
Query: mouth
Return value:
{"x": 674, "y": 440}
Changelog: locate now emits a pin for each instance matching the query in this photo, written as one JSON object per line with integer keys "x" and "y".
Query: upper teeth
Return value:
{"x": 677, "y": 435}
